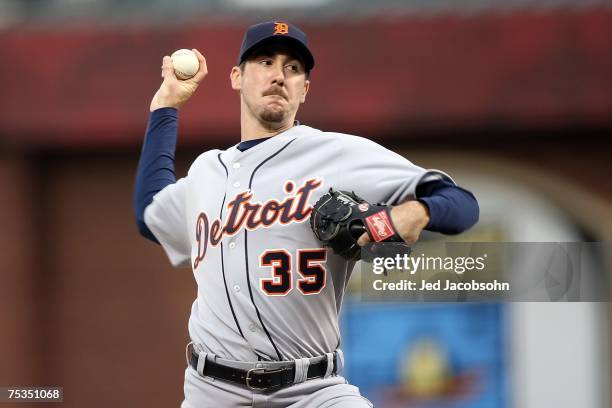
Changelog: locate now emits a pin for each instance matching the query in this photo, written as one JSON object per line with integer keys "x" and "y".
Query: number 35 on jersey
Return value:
{"x": 310, "y": 265}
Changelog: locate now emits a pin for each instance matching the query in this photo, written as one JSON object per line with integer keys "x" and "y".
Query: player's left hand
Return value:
{"x": 408, "y": 218}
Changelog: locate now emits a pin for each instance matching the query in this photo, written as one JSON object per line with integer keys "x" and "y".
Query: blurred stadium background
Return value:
{"x": 513, "y": 98}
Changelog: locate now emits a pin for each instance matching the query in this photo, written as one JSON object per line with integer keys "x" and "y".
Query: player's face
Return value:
{"x": 272, "y": 85}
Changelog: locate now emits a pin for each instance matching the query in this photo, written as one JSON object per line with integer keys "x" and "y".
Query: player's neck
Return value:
{"x": 251, "y": 128}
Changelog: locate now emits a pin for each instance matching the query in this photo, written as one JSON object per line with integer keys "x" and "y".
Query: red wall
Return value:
{"x": 92, "y": 86}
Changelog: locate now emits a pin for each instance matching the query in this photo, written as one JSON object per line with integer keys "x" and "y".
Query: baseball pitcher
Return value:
{"x": 263, "y": 226}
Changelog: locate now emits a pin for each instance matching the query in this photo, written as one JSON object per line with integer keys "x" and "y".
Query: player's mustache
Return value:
{"x": 275, "y": 90}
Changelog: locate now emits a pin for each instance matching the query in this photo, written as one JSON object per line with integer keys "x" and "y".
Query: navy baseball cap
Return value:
{"x": 272, "y": 31}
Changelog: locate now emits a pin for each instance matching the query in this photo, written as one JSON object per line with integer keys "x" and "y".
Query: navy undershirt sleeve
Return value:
{"x": 156, "y": 166}
{"x": 452, "y": 209}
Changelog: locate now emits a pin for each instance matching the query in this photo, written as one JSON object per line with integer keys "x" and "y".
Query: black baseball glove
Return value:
{"x": 339, "y": 218}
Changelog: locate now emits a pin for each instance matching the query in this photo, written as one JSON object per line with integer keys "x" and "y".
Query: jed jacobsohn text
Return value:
{"x": 413, "y": 264}
{"x": 407, "y": 285}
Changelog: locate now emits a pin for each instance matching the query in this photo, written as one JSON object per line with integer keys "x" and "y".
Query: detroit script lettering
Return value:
{"x": 243, "y": 213}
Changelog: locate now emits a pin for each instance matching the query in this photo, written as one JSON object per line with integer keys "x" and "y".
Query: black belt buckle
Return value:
{"x": 262, "y": 371}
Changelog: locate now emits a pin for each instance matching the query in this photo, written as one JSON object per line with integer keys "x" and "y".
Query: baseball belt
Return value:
{"x": 260, "y": 378}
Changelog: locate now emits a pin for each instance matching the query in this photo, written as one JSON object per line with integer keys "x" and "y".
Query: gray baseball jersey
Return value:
{"x": 266, "y": 288}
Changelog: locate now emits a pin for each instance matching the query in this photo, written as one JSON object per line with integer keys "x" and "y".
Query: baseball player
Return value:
{"x": 264, "y": 326}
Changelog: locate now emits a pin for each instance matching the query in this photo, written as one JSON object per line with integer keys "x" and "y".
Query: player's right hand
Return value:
{"x": 173, "y": 93}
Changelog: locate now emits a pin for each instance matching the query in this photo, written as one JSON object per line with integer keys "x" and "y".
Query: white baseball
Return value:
{"x": 185, "y": 63}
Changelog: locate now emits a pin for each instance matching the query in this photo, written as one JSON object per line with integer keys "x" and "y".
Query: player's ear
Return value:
{"x": 306, "y": 87}
{"x": 236, "y": 78}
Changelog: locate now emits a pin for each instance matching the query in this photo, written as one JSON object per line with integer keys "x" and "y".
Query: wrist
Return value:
{"x": 165, "y": 99}
{"x": 409, "y": 219}
{"x": 425, "y": 214}
{"x": 156, "y": 105}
